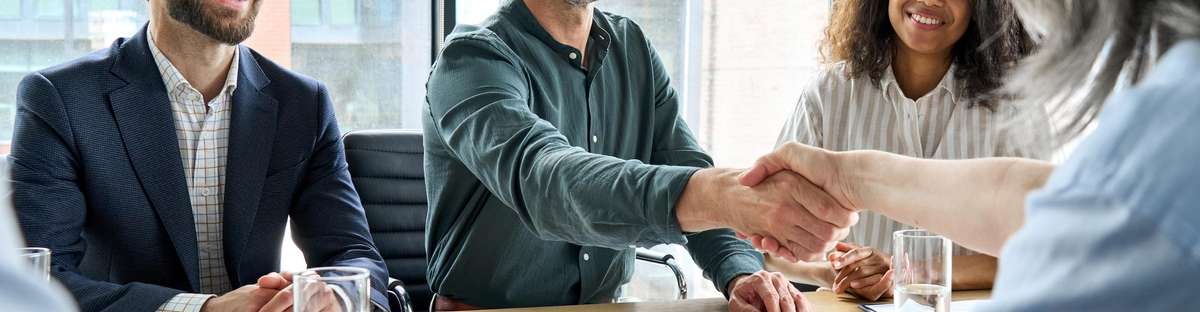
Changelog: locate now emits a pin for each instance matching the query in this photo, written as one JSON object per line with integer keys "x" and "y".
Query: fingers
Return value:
{"x": 759, "y": 172}
{"x": 787, "y": 250}
{"x": 844, "y": 247}
{"x": 854, "y": 256}
{"x": 866, "y": 281}
{"x": 839, "y": 280}
{"x": 802, "y": 304}
{"x": 858, "y": 272}
{"x": 778, "y": 160}
{"x": 738, "y": 304}
{"x": 286, "y": 276}
{"x": 877, "y": 290}
{"x": 313, "y": 294}
{"x": 833, "y": 256}
{"x": 820, "y": 204}
{"x": 772, "y": 246}
{"x": 255, "y": 298}
{"x": 280, "y": 303}
{"x": 766, "y": 292}
{"x": 274, "y": 281}
{"x": 769, "y": 243}
{"x": 787, "y": 302}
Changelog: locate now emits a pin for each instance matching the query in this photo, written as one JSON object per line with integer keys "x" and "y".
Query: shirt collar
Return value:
{"x": 948, "y": 84}
{"x": 174, "y": 80}
{"x": 599, "y": 37}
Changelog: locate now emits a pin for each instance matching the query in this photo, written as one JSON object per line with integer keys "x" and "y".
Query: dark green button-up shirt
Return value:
{"x": 543, "y": 173}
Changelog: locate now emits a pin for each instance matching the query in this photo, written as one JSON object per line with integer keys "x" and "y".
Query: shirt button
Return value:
{"x": 586, "y": 257}
{"x": 573, "y": 55}
{"x": 205, "y": 192}
{"x": 595, "y": 139}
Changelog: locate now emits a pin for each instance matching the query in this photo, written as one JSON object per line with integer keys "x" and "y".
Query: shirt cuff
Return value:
{"x": 185, "y": 303}
{"x": 665, "y": 222}
{"x": 736, "y": 264}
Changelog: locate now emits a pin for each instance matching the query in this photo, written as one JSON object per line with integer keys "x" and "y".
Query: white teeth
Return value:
{"x": 925, "y": 20}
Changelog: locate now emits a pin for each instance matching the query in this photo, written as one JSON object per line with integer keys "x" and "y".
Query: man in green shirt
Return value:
{"x": 554, "y": 145}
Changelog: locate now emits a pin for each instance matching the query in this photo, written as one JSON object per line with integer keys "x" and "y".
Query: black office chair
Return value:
{"x": 388, "y": 172}
{"x": 387, "y": 168}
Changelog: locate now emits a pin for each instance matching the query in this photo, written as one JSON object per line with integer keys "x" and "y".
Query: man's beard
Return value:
{"x": 578, "y": 3}
{"x": 216, "y": 22}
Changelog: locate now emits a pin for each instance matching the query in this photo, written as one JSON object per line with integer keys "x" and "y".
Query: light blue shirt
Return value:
{"x": 1117, "y": 226}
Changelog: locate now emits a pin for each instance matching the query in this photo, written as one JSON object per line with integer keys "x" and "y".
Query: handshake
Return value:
{"x": 793, "y": 203}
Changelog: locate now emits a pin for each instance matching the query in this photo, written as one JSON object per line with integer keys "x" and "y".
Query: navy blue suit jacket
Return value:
{"x": 97, "y": 178}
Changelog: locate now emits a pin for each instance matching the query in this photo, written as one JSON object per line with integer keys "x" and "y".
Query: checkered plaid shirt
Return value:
{"x": 203, "y": 133}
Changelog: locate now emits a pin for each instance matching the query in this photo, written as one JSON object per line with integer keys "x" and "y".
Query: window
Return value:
{"x": 10, "y": 9}
{"x": 373, "y": 55}
{"x": 306, "y": 12}
{"x": 343, "y": 12}
{"x": 29, "y": 43}
{"x": 374, "y": 64}
{"x": 48, "y": 8}
{"x": 100, "y": 5}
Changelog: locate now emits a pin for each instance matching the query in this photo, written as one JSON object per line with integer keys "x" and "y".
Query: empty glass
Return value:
{"x": 39, "y": 259}
{"x": 344, "y": 289}
{"x": 921, "y": 277}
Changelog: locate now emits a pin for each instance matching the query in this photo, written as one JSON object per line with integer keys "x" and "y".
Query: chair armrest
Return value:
{"x": 398, "y": 297}
{"x": 667, "y": 260}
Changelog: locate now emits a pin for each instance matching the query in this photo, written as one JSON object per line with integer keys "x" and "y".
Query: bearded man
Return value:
{"x": 162, "y": 171}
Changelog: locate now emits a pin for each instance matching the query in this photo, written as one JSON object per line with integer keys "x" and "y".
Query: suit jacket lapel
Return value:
{"x": 144, "y": 118}
{"x": 251, "y": 134}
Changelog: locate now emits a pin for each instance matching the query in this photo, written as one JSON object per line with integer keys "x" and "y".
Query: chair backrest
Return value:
{"x": 387, "y": 168}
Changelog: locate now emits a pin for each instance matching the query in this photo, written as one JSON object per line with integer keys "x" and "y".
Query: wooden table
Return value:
{"x": 821, "y": 301}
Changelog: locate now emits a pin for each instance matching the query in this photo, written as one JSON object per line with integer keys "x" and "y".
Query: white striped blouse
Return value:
{"x": 841, "y": 113}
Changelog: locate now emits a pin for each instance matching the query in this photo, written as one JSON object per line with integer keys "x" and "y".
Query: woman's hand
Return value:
{"x": 861, "y": 271}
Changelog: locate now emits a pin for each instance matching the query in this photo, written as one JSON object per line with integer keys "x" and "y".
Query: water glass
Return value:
{"x": 39, "y": 259}
{"x": 344, "y": 289}
{"x": 921, "y": 279}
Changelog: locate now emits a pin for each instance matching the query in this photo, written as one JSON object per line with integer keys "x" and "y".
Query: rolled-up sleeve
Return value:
{"x": 478, "y": 102}
{"x": 718, "y": 252}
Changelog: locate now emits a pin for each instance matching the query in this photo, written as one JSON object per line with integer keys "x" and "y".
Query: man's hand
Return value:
{"x": 319, "y": 296}
{"x": 245, "y": 298}
{"x": 820, "y": 168}
{"x": 805, "y": 220}
{"x": 765, "y": 292}
{"x": 282, "y": 301}
{"x": 861, "y": 271}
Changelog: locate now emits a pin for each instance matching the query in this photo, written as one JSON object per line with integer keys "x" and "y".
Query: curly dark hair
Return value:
{"x": 860, "y": 34}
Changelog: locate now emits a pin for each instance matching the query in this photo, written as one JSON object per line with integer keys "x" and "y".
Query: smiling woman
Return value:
{"x": 864, "y": 34}
{"x": 914, "y": 77}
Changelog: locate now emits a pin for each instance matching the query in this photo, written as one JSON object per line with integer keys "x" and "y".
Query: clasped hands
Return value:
{"x": 273, "y": 293}
{"x": 793, "y": 202}
{"x": 861, "y": 271}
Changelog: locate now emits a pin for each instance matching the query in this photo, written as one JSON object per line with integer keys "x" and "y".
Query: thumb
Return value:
{"x": 755, "y": 175}
{"x": 845, "y": 247}
{"x": 764, "y": 167}
{"x": 272, "y": 281}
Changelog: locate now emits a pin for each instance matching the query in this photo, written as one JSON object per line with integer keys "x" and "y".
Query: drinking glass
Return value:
{"x": 921, "y": 277}
{"x": 39, "y": 259}
{"x": 344, "y": 289}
